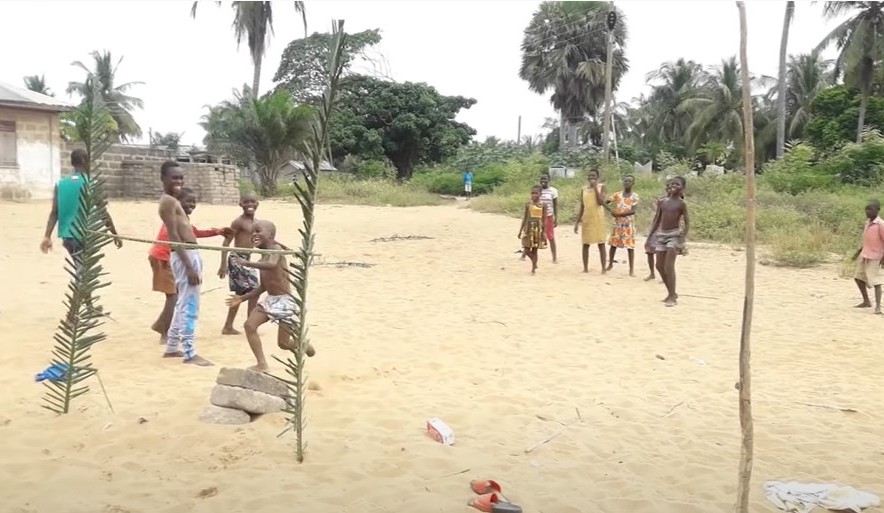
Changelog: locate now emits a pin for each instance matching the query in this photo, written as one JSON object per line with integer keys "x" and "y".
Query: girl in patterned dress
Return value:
{"x": 624, "y": 205}
{"x": 533, "y": 229}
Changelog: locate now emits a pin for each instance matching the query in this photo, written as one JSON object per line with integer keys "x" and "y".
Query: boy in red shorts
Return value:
{"x": 549, "y": 198}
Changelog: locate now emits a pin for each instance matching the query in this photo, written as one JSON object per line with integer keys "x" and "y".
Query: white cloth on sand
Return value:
{"x": 795, "y": 497}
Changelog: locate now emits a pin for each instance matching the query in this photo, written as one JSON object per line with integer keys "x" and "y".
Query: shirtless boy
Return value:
{"x": 186, "y": 269}
{"x": 669, "y": 237}
{"x": 279, "y": 304}
{"x": 242, "y": 279}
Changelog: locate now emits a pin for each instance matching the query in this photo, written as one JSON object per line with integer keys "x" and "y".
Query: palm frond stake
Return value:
{"x": 298, "y": 271}
{"x": 79, "y": 329}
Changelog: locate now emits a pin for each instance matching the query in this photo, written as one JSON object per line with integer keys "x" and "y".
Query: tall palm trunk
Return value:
{"x": 256, "y": 79}
{"x": 781, "y": 86}
{"x": 861, "y": 121}
{"x": 745, "y": 384}
{"x": 563, "y": 125}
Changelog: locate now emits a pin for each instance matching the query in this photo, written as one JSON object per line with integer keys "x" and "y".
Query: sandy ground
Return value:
{"x": 453, "y": 327}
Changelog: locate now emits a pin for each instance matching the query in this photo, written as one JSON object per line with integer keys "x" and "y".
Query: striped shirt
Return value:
{"x": 546, "y": 198}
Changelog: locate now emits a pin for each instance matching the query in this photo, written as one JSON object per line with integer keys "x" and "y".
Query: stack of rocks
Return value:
{"x": 242, "y": 395}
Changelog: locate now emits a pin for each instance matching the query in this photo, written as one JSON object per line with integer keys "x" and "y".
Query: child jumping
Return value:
{"x": 242, "y": 279}
{"x": 279, "y": 304}
{"x": 625, "y": 205}
{"x": 158, "y": 256}
{"x": 670, "y": 236}
{"x": 532, "y": 232}
{"x": 650, "y": 243}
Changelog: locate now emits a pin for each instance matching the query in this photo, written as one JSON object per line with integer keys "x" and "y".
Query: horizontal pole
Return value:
{"x": 188, "y": 245}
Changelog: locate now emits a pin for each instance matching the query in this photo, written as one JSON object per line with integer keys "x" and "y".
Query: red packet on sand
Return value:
{"x": 440, "y": 431}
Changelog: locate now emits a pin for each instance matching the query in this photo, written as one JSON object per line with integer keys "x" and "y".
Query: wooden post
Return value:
{"x": 609, "y": 71}
{"x": 744, "y": 386}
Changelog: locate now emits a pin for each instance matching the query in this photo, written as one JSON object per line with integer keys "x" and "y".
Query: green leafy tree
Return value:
{"x": 833, "y": 114}
{"x": 860, "y": 42}
{"x": 299, "y": 270}
{"x": 169, "y": 140}
{"x": 37, "y": 83}
{"x": 112, "y": 95}
{"x": 302, "y": 67}
{"x": 564, "y": 50}
{"x": 408, "y": 123}
{"x": 79, "y": 329}
{"x": 253, "y": 22}
{"x": 266, "y": 131}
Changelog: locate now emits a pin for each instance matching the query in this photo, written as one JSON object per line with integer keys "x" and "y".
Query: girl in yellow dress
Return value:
{"x": 591, "y": 219}
{"x": 533, "y": 229}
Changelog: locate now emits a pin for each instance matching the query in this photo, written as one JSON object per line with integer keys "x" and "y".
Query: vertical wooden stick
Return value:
{"x": 745, "y": 384}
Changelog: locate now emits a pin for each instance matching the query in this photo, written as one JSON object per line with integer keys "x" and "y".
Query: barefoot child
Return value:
{"x": 242, "y": 279}
{"x": 591, "y": 219}
{"x": 533, "y": 229}
{"x": 650, "y": 243}
{"x": 670, "y": 235}
{"x": 279, "y": 304}
{"x": 870, "y": 257}
{"x": 625, "y": 204}
{"x": 158, "y": 256}
{"x": 549, "y": 196}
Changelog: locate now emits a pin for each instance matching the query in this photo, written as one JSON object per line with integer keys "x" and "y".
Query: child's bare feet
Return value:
{"x": 632, "y": 274}
{"x": 199, "y": 361}
{"x": 259, "y": 367}
{"x": 864, "y": 304}
{"x": 173, "y": 354}
{"x": 230, "y": 331}
{"x": 670, "y": 301}
{"x": 878, "y": 310}
{"x": 650, "y": 277}
{"x": 163, "y": 340}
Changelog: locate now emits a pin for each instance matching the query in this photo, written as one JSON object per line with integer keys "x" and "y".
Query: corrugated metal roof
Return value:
{"x": 17, "y": 97}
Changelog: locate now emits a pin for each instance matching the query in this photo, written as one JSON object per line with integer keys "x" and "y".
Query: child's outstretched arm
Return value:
{"x": 524, "y": 222}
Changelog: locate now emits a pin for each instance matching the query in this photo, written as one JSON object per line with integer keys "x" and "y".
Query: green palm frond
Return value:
{"x": 79, "y": 329}
{"x": 298, "y": 272}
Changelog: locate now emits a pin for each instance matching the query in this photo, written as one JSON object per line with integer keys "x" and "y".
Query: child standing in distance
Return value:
{"x": 625, "y": 205}
{"x": 158, "y": 256}
{"x": 670, "y": 236}
{"x": 549, "y": 197}
{"x": 468, "y": 183}
{"x": 532, "y": 232}
{"x": 279, "y": 304}
{"x": 242, "y": 279}
{"x": 650, "y": 242}
{"x": 870, "y": 257}
{"x": 591, "y": 219}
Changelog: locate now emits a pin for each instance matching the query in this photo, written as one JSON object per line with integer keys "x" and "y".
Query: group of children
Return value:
{"x": 177, "y": 274}
{"x": 664, "y": 243}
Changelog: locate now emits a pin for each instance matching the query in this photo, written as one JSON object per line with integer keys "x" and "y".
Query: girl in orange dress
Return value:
{"x": 533, "y": 229}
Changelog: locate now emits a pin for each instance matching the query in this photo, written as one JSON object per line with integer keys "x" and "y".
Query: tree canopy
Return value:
{"x": 303, "y": 61}
{"x": 408, "y": 123}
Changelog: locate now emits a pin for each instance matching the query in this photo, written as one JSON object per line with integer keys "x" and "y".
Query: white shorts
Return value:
{"x": 869, "y": 272}
{"x": 468, "y": 187}
{"x": 279, "y": 308}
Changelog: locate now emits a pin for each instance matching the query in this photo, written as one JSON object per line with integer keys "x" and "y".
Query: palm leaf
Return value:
{"x": 78, "y": 330}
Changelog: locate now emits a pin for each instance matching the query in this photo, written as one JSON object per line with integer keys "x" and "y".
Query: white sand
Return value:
{"x": 453, "y": 327}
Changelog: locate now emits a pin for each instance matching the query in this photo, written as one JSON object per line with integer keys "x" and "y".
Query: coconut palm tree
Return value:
{"x": 564, "y": 50}
{"x": 37, "y": 83}
{"x": 781, "y": 79}
{"x": 717, "y": 109}
{"x": 114, "y": 96}
{"x": 253, "y": 21}
{"x": 860, "y": 42}
{"x": 806, "y": 75}
{"x": 680, "y": 80}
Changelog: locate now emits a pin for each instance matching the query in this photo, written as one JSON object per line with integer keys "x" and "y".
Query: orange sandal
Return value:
{"x": 483, "y": 486}
{"x": 484, "y": 502}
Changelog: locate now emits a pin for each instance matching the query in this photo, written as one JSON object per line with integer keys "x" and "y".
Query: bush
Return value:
{"x": 368, "y": 168}
{"x": 451, "y": 183}
{"x": 796, "y": 173}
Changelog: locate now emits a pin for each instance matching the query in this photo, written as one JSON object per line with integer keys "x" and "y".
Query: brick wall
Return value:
{"x": 133, "y": 172}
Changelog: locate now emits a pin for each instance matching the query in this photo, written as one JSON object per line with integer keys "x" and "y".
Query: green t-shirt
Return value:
{"x": 68, "y": 190}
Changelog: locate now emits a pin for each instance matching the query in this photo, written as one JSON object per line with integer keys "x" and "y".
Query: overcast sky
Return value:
{"x": 469, "y": 48}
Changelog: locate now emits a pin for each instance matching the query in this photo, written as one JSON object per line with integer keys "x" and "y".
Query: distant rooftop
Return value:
{"x": 19, "y": 98}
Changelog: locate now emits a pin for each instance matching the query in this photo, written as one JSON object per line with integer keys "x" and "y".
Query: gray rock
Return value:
{"x": 252, "y": 380}
{"x": 219, "y": 415}
{"x": 246, "y": 400}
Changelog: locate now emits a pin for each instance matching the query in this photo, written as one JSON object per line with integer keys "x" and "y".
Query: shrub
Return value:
{"x": 368, "y": 168}
{"x": 796, "y": 173}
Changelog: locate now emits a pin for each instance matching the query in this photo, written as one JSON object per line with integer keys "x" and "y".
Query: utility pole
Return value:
{"x": 609, "y": 71}
{"x": 519, "y": 132}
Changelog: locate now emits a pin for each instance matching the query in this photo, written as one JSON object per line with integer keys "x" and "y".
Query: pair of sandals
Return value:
{"x": 489, "y": 498}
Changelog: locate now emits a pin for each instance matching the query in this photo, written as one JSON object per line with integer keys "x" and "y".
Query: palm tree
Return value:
{"x": 253, "y": 21}
{"x": 860, "y": 41}
{"x": 564, "y": 49}
{"x": 37, "y": 83}
{"x": 268, "y": 131}
{"x": 806, "y": 75}
{"x": 680, "y": 81}
{"x": 718, "y": 108}
{"x": 781, "y": 80}
{"x": 114, "y": 96}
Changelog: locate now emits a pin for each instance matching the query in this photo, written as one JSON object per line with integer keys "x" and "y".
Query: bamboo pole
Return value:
{"x": 187, "y": 245}
{"x": 744, "y": 386}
